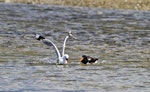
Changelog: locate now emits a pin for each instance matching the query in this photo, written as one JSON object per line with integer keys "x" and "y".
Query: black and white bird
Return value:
{"x": 61, "y": 58}
{"x": 87, "y": 59}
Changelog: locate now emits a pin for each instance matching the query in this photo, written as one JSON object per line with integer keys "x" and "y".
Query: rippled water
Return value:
{"x": 119, "y": 38}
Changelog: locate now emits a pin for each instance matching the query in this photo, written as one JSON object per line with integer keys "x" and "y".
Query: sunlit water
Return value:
{"x": 119, "y": 38}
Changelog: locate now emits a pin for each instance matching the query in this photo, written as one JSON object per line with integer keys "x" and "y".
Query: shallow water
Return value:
{"x": 119, "y": 38}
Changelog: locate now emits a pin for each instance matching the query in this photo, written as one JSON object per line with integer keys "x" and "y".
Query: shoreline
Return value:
{"x": 107, "y": 4}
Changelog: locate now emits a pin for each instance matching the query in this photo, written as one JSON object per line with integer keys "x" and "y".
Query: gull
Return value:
{"x": 61, "y": 58}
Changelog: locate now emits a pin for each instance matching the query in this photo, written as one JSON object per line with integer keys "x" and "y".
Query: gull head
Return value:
{"x": 66, "y": 58}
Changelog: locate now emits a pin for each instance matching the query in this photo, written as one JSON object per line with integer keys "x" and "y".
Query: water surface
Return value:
{"x": 119, "y": 38}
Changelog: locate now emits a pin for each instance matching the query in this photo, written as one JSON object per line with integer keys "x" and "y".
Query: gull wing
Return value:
{"x": 50, "y": 43}
{"x": 64, "y": 45}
